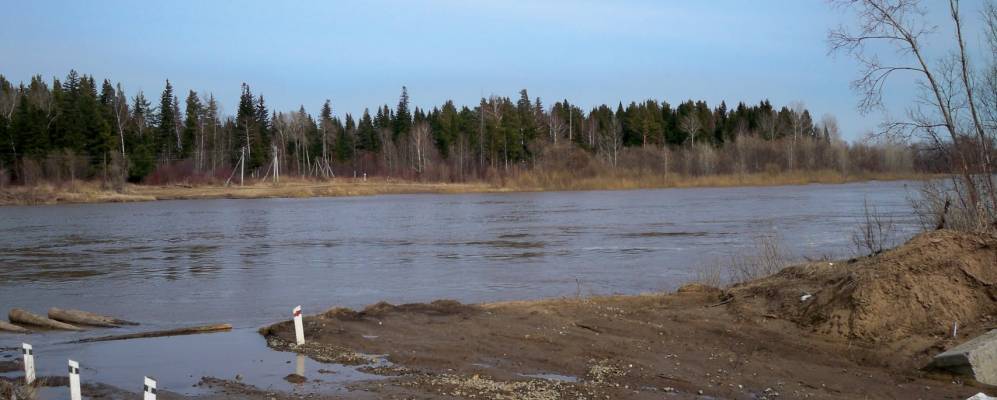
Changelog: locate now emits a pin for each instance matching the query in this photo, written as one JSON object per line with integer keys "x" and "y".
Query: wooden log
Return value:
{"x": 85, "y": 318}
{"x": 8, "y": 327}
{"x": 169, "y": 332}
{"x": 23, "y": 317}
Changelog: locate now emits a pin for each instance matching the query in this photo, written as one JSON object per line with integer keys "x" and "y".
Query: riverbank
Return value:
{"x": 95, "y": 192}
{"x": 860, "y": 332}
{"x": 860, "y": 328}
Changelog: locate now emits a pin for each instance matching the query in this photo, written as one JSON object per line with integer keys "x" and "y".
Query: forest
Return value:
{"x": 76, "y": 128}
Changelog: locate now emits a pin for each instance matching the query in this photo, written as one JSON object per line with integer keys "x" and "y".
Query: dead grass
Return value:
{"x": 309, "y": 188}
{"x": 539, "y": 180}
{"x": 94, "y": 192}
{"x": 70, "y": 192}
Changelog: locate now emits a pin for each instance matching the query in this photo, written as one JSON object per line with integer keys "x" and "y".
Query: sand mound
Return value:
{"x": 381, "y": 309}
{"x": 920, "y": 288}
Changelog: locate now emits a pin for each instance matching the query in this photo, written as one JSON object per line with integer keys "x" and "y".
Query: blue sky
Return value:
{"x": 360, "y": 53}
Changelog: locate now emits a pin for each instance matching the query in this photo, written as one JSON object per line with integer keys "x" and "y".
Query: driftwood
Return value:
{"x": 728, "y": 300}
{"x": 85, "y": 318}
{"x": 8, "y": 327}
{"x": 20, "y": 316}
{"x": 169, "y": 332}
{"x": 588, "y": 327}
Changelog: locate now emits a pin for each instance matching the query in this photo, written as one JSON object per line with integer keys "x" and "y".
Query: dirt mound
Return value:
{"x": 921, "y": 288}
{"x": 381, "y": 309}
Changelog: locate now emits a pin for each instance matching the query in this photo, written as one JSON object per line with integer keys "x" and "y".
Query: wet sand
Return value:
{"x": 621, "y": 347}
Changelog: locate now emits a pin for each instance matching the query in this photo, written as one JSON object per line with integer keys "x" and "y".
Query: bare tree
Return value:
{"x": 691, "y": 125}
{"x": 420, "y": 144}
{"x": 797, "y": 108}
{"x": 946, "y": 110}
{"x": 120, "y": 119}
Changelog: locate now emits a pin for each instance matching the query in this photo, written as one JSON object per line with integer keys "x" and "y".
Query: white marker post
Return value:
{"x": 299, "y": 327}
{"x": 74, "y": 381}
{"x": 29, "y": 363}
{"x": 149, "y": 389}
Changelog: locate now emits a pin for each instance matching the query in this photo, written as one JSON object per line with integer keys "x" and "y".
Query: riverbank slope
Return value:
{"x": 95, "y": 192}
{"x": 866, "y": 329}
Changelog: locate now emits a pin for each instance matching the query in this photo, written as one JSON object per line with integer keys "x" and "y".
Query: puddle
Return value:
{"x": 552, "y": 377}
{"x": 178, "y": 363}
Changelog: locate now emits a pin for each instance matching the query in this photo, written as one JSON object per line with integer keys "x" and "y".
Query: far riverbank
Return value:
{"x": 96, "y": 192}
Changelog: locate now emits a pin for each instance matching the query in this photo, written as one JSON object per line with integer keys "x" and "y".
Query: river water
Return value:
{"x": 168, "y": 264}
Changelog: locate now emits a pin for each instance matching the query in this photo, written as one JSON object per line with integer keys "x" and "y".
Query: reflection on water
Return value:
{"x": 178, "y": 364}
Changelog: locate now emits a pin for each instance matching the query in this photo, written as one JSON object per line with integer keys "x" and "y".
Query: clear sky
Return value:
{"x": 360, "y": 53}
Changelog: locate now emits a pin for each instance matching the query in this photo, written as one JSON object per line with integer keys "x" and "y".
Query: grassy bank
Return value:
{"x": 95, "y": 192}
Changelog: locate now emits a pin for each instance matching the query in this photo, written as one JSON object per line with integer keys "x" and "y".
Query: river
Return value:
{"x": 168, "y": 264}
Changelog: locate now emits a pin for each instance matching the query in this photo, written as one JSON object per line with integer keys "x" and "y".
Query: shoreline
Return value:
{"x": 687, "y": 343}
{"x": 864, "y": 327}
{"x": 86, "y": 192}
{"x": 855, "y": 332}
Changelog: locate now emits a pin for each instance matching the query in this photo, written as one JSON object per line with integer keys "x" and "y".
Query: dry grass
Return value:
{"x": 94, "y": 192}
{"x": 70, "y": 192}
{"x": 539, "y": 180}
{"x": 309, "y": 188}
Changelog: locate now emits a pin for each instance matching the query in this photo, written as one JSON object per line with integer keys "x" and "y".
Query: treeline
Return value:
{"x": 77, "y": 128}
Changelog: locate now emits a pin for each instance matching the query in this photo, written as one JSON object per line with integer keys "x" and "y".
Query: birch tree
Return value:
{"x": 946, "y": 110}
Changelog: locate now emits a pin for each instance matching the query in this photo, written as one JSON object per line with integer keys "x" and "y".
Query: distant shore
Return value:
{"x": 95, "y": 192}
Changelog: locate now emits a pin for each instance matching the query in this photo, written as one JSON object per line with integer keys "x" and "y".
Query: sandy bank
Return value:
{"x": 861, "y": 335}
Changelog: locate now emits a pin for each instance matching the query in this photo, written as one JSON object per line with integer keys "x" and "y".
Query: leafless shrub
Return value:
{"x": 936, "y": 206}
{"x": 765, "y": 258}
{"x": 116, "y": 172}
{"x": 875, "y": 233}
{"x": 31, "y": 172}
{"x": 711, "y": 273}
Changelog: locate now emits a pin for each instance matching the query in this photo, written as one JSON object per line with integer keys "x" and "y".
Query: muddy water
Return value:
{"x": 248, "y": 262}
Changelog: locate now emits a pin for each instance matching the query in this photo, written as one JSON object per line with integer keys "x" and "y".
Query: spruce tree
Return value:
{"x": 141, "y": 145}
{"x": 403, "y": 119}
{"x": 192, "y": 123}
{"x": 245, "y": 125}
{"x": 165, "y": 128}
{"x": 344, "y": 140}
{"x": 96, "y": 130}
{"x": 326, "y": 130}
{"x": 366, "y": 135}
